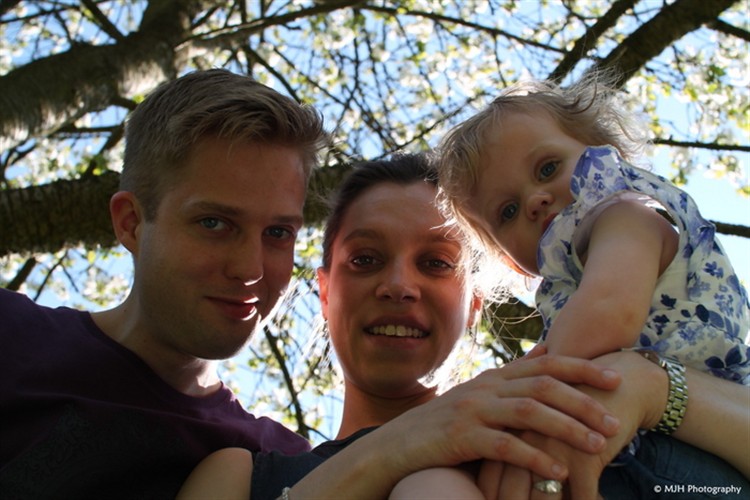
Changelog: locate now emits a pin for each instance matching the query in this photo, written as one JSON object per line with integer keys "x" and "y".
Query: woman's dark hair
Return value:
{"x": 399, "y": 169}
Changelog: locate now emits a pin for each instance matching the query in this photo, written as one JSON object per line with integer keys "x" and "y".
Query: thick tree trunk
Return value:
{"x": 40, "y": 97}
{"x": 46, "y": 218}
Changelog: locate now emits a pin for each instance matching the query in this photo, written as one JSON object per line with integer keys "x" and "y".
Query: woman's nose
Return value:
{"x": 398, "y": 284}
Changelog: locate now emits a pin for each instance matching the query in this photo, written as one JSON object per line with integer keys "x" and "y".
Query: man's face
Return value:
{"x": 219, "y": 253}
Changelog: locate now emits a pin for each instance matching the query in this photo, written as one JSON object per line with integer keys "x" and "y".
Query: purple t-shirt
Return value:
{"x": 82, "y": 417}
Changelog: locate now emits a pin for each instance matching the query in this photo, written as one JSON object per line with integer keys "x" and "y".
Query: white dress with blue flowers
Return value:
{"x": 699, "y": 310}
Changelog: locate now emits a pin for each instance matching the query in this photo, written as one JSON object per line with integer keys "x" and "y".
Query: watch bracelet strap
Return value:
{"x": 677, "y": 398}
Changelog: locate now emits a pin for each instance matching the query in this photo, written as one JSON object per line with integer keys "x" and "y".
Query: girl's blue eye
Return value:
{"x": 547, "y": 170}
{"x": 508, "y": 212}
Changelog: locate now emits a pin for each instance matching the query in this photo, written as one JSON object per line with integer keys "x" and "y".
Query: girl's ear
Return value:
{"x": 323, "y": 284}
{"x": 127, "y": 217}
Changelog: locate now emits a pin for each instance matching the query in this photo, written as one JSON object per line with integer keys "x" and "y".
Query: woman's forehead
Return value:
{"x": 395, "y": 206}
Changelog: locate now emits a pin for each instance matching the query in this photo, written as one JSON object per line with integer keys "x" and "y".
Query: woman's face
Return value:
{"x": 394, "y": 296}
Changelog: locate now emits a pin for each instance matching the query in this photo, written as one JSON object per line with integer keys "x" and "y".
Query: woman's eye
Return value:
{"x": 440, "y": 264}
{"x": 547, "y": 170}
{"x": 363, "y": 260}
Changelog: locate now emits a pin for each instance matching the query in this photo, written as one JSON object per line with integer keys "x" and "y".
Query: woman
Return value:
{"x": 397, "y": 298}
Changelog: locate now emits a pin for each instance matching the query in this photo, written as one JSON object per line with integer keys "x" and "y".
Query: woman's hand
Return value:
{"x": 638, "y": 403}
{"x": 470, "y": 422}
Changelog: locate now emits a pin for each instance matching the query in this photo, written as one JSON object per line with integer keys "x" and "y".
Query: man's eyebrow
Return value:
{"x": 230, "y": 211}
{"x": 292, "y": 220}
{"x": 210, "y": 206}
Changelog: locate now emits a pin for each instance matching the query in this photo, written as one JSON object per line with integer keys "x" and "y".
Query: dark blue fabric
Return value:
{"x": 274, "y": 471}
{"x": 665, "y": 468}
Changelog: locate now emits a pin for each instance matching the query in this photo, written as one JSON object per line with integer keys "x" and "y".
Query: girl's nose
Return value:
{"x": 536, "y": 202}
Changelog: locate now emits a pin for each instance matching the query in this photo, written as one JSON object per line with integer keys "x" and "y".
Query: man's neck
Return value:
{"x": 186, "y": 374}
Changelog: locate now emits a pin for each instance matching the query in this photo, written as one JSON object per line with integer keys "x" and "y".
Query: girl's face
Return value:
{"x": 394, "y": 297}
{"x": 524, "y": 182}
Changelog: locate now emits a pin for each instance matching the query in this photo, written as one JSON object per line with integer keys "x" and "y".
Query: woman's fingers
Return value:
{"x": 530, "y": 414}
{"x": 522, "y": 398}
{"x": 565, "y": 369}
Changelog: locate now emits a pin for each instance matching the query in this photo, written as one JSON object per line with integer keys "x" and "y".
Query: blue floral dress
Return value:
{"x": 699, "y": 311}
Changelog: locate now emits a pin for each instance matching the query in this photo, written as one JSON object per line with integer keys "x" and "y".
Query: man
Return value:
{"x": 124, "y": 403}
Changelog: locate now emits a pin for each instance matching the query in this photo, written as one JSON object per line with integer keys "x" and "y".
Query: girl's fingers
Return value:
{"x": 488, "y": 480}
{"x": 502, "y": 446}
{"x": 516, "y": 484}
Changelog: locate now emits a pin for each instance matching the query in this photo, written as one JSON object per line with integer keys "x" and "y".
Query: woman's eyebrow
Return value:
{"x": 362, "y": 233}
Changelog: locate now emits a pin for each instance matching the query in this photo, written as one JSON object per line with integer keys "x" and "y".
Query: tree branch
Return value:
{"x": 649, "y": 40}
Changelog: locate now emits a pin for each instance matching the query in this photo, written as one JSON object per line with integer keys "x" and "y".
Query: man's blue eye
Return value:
{"x": 211, "y": 223}
{"x": 280, "y": 233}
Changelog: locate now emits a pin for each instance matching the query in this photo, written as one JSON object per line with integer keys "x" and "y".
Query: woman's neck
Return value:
{"x": 362, "y": 409}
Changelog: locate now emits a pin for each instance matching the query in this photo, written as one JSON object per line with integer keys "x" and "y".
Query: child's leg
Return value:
{"x": 438, "y": 483}
{"x": 223, "y": 474}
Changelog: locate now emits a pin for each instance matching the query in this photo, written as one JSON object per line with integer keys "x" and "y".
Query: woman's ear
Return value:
{"x": 323, "y": 284}
{"x": 475, "y": 309}
{"x": 127, "y": 216}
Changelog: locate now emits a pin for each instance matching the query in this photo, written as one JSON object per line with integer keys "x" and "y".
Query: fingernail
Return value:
{"x": 609, "y": 374}
{"x": 611, "y": 422}
{"x": 596, "y": 440}
{"x": 558, "y": 471}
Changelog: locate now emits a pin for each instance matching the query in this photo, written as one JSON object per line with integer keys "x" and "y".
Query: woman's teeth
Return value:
{"x": 397, "y": 331}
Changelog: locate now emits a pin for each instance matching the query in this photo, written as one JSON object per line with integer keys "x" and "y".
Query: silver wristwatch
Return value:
{"x": 678, "y": 393}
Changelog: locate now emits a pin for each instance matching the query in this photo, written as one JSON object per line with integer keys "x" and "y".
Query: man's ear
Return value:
{"x": 127, "y": 216}
{"x": 323, "y": 283}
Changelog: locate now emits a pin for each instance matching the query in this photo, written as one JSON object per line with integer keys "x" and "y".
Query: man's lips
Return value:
{"x": 240, "y": 309}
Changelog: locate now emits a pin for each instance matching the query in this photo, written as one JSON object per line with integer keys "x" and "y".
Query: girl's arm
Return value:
{"x": 629, "y": 248}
